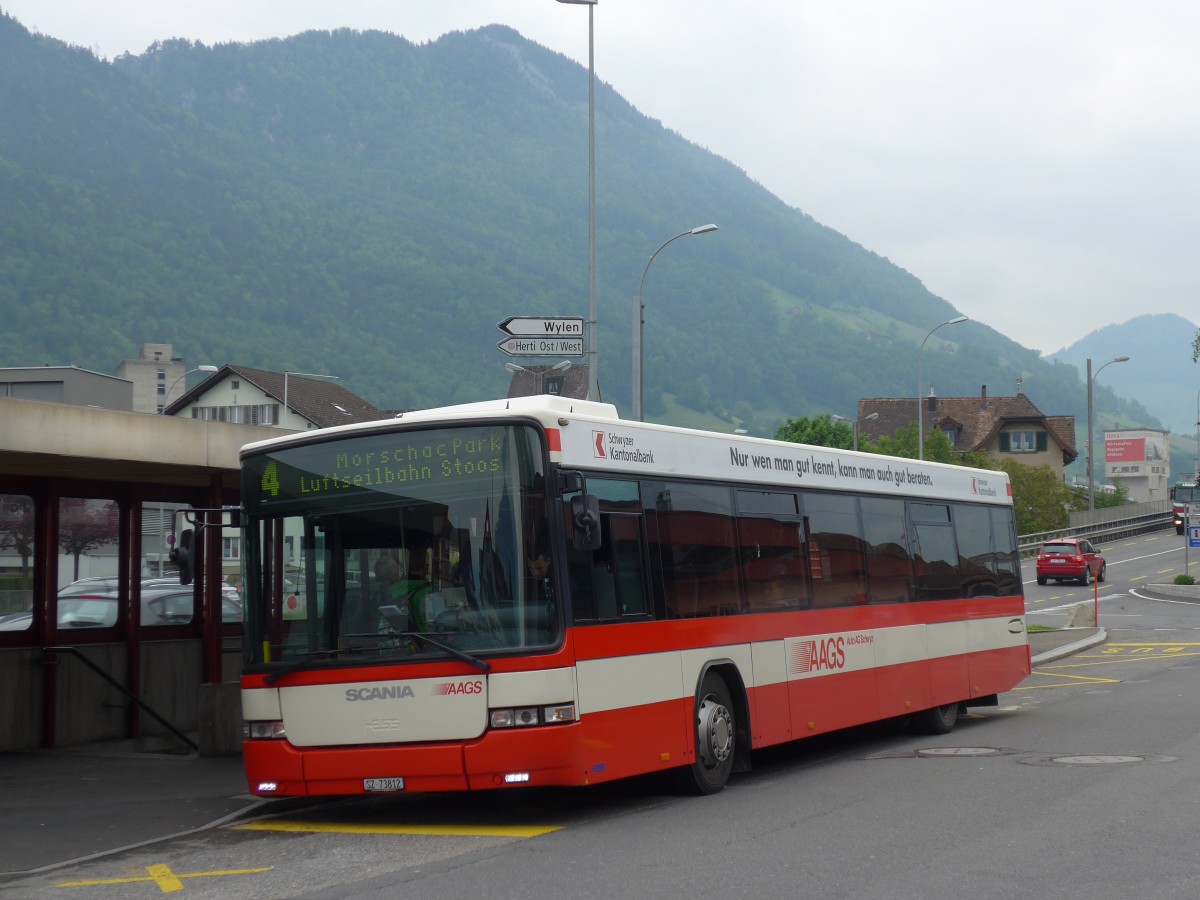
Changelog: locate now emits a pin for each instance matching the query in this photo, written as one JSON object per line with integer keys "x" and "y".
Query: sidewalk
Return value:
{"x": 66, "y": 805}
{"x": 63, "y": 806}
{"x": 1047, "y": 646}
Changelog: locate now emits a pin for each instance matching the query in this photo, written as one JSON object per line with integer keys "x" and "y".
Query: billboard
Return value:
{"x": 1134, "y": 446}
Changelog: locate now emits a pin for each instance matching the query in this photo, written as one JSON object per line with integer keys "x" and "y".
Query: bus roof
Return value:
{"x": 592, "y": 436}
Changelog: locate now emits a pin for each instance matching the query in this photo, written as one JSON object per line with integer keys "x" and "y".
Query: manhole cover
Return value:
{"x": 938, "y": 752}
{"x": 1096, "y": 759}
{"x": 959, "y": 751}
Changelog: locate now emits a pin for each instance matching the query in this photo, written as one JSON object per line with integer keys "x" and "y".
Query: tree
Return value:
{"x": 17, "y": 528}
{"x": 1041, "y": 500}
{"x": 83, "y": 527}
{"x": 820, "y": 431}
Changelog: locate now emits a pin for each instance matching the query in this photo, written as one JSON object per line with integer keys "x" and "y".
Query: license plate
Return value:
{"x": 1058, "y": 560}
{"x": 383, "y": 784}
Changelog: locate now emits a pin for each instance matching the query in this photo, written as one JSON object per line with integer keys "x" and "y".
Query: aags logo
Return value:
{"x": 458, "y": 687}
{"x": 810, "y": 656}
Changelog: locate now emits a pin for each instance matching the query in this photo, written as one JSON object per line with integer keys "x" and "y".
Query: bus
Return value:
{"x": 1185, "y": 504}
{"x": 532, "y": 592}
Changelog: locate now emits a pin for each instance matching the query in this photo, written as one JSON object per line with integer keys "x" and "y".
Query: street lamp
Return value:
{"x": 539, "y": 372}
{"x": 300, "y": 375}
{"x": 593, "y": 392}
{"x": 1091, "y": 380}
{"x": 855, "y": 424}
{"x": 163, "y": 410}
{"x": 639, "y": 310}
{"x": 920, "y": 399}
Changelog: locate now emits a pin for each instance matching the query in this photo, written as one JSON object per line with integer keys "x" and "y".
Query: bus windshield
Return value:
{"x": 423, "y": 544}
{"x": 1186, "y": 493}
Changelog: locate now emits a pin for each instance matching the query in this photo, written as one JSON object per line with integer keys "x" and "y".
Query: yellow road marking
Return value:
{"x": 518, "y": 831}
{"x": 1076, "y": 679}
{"x": 168, "y": 882}
{"x": 1156, "y": 644}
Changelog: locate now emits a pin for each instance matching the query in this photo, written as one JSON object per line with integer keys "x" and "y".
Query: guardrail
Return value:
{"x": 1112, "y": 523}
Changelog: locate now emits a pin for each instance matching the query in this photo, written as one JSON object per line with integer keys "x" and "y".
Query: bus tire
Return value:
{"x": 939, "y": 720}
{"x": 716, "y": 738}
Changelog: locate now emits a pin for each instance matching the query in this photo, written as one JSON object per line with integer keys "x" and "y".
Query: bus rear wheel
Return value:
{"x": 939, "y": 720}
{"x": 716, "y": 738}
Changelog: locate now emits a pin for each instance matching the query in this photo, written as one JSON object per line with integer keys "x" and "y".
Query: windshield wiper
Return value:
{"x": 470, "y": 660}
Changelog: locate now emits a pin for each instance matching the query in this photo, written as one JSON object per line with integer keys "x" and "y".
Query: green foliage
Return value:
{"x": 1041, "y": 500}
{"x": 1184, "y": 579}
{"x": 821, "y": 431}
{"x": 1109, "y": 499}
{"x": 354, "y": 203}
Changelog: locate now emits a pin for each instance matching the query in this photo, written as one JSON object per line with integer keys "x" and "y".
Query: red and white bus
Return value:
{"x": 582, "y": 599}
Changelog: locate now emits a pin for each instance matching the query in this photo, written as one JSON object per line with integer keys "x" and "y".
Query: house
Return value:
{"x": 563, "y": 379}
{"x": 1002, "y": 427}
{"x": 289, "y": 400}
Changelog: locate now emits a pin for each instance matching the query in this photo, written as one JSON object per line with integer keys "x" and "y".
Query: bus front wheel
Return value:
{"x": 716, "y": 737}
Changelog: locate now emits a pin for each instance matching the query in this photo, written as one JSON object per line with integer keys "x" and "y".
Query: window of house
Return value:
{"x": 1023, "y": 441}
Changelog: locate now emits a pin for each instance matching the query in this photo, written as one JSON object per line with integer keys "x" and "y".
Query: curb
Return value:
{"x": 1067, "y": 649}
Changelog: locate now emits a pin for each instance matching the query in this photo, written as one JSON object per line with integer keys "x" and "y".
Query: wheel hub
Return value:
{"x": 714, "y": 732}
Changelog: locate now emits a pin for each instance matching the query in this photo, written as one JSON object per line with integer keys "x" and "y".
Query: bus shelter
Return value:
{"x": 98, "y": 641}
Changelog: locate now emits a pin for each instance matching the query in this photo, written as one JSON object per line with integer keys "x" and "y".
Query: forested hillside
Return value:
{"x": 358, "y": 204}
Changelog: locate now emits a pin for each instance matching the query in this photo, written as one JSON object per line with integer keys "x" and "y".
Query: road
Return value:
{"x": 1082, "y": 783}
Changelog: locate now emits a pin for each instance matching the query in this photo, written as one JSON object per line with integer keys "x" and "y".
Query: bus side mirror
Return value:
{"x": 585, "y": 511}
{"x": 183, "y": 555}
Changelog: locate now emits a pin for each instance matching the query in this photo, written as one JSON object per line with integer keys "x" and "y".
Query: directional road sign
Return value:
{"x": 542, "y": 326}
{"x": 542, "y": 346}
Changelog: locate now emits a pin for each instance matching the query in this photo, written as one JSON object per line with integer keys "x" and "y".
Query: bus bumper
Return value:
{"x": 531, "y": 757}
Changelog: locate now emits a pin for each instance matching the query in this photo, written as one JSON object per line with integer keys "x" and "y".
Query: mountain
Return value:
{"x": 357, "y": 204}
{"x": 1160, "y": 370}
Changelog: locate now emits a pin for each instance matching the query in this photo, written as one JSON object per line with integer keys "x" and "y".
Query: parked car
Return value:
{"x": 1073, "y": 559}
{"x": 169, "y": 604}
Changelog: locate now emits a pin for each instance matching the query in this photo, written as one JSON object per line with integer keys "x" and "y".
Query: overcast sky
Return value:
{"x": 1033, "y": 163}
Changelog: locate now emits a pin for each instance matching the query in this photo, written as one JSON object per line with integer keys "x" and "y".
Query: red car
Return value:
{"x": 1069, "y": 558}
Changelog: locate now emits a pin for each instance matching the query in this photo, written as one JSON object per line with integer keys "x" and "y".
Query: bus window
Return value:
{"x": 973, "y": 528}
{"x": 836, "y": 548}
{"x": 608, "y": 583}
{"x": 1008, "y": 560}
{"x": 889, "y": 560}
{"x": 936, "y": 552}
{"x": 771, "y": 550}
{"x": 693, "y": 543}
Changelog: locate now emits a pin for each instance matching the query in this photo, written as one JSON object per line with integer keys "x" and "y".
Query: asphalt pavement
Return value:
{"x": 65, "y": 806}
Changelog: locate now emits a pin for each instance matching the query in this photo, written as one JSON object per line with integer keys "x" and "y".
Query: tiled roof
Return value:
{"x": 978, "y": 419}
{"x": 320, "y": 401}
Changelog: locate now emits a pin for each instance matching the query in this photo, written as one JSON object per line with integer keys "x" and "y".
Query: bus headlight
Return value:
{"x": 263, "y": 731}
{"x": 523, "y": 716}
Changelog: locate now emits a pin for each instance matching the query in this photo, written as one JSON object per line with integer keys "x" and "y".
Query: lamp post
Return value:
{"x": 920, "y": 399}
{"x": 167, "y": 395}
{"x": 300, "y": 375}
{"x": 854, "y": 424}
{"x": 639, "y": 310}
{"x": 1091, "y": 380}
{"x": 539, "y": 373}
{"x": 593, "y": 392}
